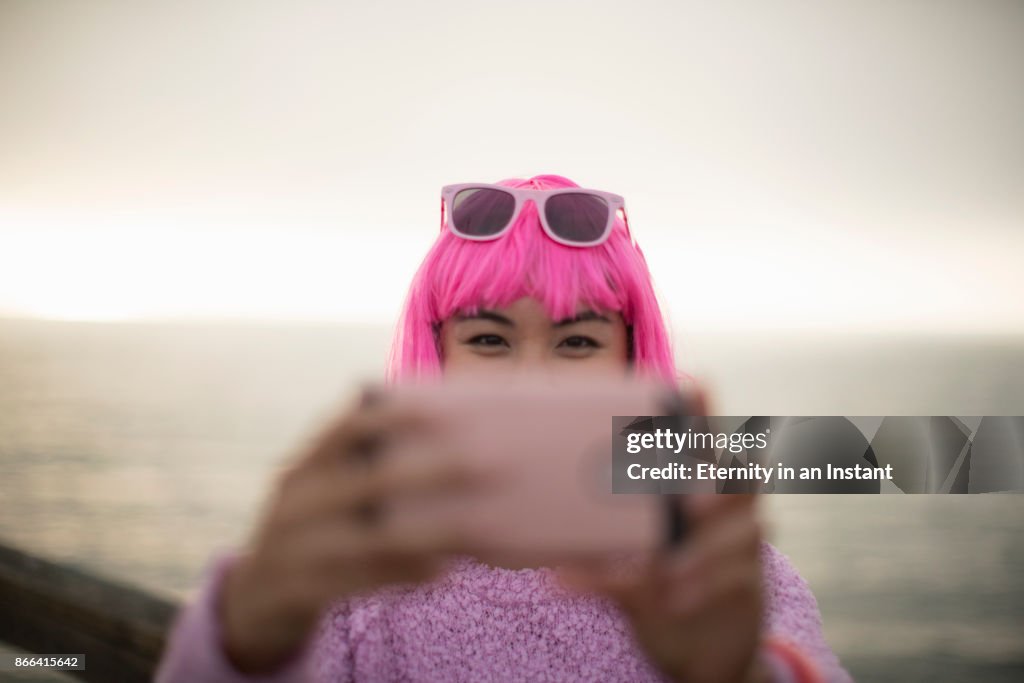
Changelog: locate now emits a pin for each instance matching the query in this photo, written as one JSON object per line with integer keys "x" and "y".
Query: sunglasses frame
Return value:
{"x": 539, "y": 197}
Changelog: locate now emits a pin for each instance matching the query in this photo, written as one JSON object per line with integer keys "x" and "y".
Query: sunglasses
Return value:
{"x": 572, "y": 216}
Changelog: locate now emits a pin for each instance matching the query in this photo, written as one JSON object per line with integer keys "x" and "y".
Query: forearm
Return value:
{"x": 195, "y": 649}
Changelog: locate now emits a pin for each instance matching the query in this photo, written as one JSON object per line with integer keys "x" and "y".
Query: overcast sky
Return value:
{"x": 830, "y": 164}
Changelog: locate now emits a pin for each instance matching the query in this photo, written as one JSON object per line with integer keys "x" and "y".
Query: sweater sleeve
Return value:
{"x": 792, "y": 618}
{"x": 194, "y": 654}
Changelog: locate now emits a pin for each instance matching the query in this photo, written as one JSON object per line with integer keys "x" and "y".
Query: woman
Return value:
{"x": 526, "y": 277}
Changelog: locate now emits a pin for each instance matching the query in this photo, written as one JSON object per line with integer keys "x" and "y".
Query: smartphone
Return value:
{"x": 545, "y": 446}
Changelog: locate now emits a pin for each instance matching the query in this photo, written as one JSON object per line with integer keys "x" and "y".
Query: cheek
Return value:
{"x": 616, "y": 350}
{"x": 605, "y": 363}
{"x": 452, "y": 356}
{"x": 455, "y": 359}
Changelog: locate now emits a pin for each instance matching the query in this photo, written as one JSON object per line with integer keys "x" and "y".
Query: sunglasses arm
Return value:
{"x": 625, "y": 219}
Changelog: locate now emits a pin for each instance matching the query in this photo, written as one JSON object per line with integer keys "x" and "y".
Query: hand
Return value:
{"x": 318, "y": 540}
{"x": 697, "y": 610}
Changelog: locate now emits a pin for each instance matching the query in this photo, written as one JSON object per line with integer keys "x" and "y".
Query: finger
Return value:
{"x": 731, "y": 548}
{"x": 425, "y": 466}
{"x": 733, "y": 531}
{"x": 429, "y": 474}
{"x": 711, "y": 590}
{"x": 395, "y": 543}
{"x": 319, "y": 552}
{"x": 733, "y": 538}
{"x": 625, "y": 580}
{"x": 369, "y": 573}
{"x": 699, "y": 507}
{"x": 357, "y": 432}
{"x": 335, "y": 493}
{"x": 372, "y": 558}
{"x": 699, "y": 398}
{"x": 593, "y": 575}
{"x": 732, "y": 541}
{"x": 638, "y": 594}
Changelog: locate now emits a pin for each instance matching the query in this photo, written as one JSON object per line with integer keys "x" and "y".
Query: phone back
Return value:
{"x": 546, "y": 447}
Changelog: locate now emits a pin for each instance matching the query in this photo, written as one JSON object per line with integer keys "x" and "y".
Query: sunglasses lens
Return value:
{"x": 577, "y": 217}
{"x": 482, "y": 212}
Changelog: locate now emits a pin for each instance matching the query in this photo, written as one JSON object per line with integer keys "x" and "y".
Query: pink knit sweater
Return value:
{"x": 479, "y": 623}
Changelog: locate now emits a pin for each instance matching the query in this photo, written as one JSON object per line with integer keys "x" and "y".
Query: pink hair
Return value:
{"x": 460, "y": 276}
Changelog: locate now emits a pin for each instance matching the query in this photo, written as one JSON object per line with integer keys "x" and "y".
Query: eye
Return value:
{"x": 487, "y": 340}
{"x": 578, "y": 341}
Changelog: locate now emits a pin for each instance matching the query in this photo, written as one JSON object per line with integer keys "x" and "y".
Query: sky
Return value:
{"x": 839, "y": 165}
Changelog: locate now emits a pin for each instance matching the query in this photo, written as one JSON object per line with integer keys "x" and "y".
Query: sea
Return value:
{"x": 138, "y": 450}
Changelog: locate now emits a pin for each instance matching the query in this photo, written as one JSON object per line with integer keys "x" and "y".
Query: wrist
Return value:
{"x": 234, "y": 627}
{"x": 252, "y": 640}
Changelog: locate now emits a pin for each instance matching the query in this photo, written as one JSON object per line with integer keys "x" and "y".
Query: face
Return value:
{"x": 521, "y": 337}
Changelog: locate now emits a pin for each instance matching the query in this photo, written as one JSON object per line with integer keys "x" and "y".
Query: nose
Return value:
{"x": 532, "y": 357}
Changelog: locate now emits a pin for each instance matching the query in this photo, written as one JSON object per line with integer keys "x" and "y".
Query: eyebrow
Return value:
{"x": 584, "y": 316}
{"x": 494, "y": 316}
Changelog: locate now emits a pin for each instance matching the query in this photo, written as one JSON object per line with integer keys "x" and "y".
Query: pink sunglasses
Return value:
{"x": 573, "y": 216}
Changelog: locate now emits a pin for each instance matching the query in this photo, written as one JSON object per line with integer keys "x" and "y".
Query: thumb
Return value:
{"x": 701, "y": 403}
